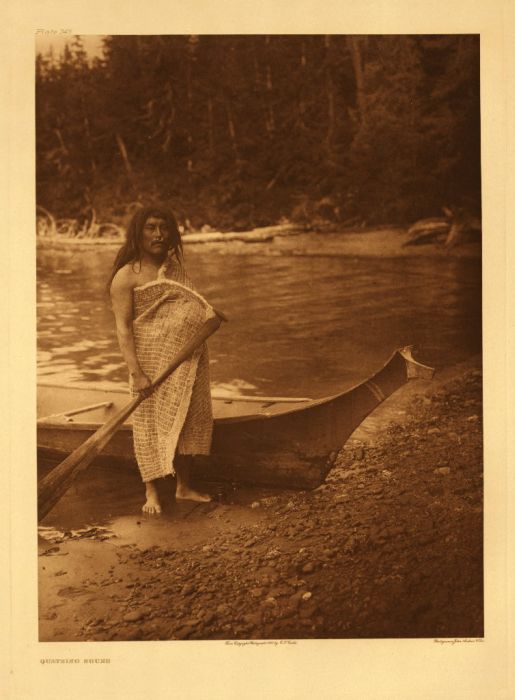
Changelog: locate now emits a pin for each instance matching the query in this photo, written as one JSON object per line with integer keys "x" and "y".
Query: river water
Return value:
{"x": 306, "y": 325}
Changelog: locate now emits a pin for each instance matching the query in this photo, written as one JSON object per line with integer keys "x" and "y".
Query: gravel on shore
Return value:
{"x": 390, "y": 546}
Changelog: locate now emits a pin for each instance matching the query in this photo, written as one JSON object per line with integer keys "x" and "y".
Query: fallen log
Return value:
{"x": 257, "y": 235}
{"x": 427, "y": 231}
{"x": 449, "y": 230}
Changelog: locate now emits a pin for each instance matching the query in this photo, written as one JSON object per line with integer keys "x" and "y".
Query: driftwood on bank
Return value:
{"x": 257, "y": 235}
{"x": 45, "y": 222}
{"x": 87, "y": 227}
{"x": 89, "y": 230}
{"x": 449, "y": 230}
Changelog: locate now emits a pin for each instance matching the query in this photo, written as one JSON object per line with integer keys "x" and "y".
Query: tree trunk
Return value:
{"x": 232, "y": 130}
{"x": 331, "y": 114}
{"x": 255, "y": 65}
{"x": 190, "y": 116}
{"x": 258, "y": 87}
{"x": 353, "y": 44}
{"x": 126, "y": 161}
{"x": 211, "y": 126}
{"x": 303, "y": 63}
{"x": 270, "y": 121}
{"x": 89, "y": 141}
{"x": 61, "y": 141}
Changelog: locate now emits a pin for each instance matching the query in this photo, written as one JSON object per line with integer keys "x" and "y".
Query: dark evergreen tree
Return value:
{"x": 238, "y": 131}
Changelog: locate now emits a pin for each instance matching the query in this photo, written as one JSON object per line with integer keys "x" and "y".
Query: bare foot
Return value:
{"x": 184, "y": 493}
{"x": 152, "y": 505}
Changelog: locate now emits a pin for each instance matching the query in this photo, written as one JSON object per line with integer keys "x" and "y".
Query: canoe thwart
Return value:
{"x": 86, "y": 409}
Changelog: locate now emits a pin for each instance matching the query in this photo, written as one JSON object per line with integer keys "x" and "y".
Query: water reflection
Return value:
{"x": 298, "y": 325}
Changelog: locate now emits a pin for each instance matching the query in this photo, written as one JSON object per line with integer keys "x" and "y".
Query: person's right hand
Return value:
{"x": 141, "y": 383}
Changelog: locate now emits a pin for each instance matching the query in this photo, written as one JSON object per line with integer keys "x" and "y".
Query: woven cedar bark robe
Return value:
{"x": 178, "y": 415}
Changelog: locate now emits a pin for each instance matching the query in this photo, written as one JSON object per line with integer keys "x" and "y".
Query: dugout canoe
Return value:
{"x": 259, "y": 440}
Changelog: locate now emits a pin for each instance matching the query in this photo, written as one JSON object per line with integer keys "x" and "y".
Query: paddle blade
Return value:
{"x": 53, "y": 486}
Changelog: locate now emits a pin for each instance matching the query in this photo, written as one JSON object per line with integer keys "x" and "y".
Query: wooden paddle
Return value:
{"x": 52, "y": 486}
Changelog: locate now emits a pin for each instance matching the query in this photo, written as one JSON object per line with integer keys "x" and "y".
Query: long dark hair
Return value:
{"x": 130, "y": 252}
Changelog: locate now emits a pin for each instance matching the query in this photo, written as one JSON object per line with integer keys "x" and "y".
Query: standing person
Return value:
{"x": 157, "y": 311}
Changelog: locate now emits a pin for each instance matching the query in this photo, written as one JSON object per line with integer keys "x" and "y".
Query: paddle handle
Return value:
{"x": 52, "y": 486}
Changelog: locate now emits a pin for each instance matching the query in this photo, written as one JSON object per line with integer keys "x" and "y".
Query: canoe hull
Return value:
{"x": 277, "y": 445}
{"x": 297, "y": 449}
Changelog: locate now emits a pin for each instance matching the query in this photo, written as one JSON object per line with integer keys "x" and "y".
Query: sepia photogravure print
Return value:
{"x": 259, "y": 337}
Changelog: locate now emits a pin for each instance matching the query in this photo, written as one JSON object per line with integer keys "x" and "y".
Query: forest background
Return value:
{"x": 237, "y": 132}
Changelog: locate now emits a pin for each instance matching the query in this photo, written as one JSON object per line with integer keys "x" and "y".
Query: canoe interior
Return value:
{"x": 53, "y": 400}
{"x": 262, "y": 442}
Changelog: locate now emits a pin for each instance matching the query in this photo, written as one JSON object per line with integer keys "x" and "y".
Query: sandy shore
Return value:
{"x": 389, "y": 546}
{"x": 381, "y": 242}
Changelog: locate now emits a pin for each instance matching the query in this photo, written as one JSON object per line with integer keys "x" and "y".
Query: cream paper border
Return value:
{"x": 325, "y": 669}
